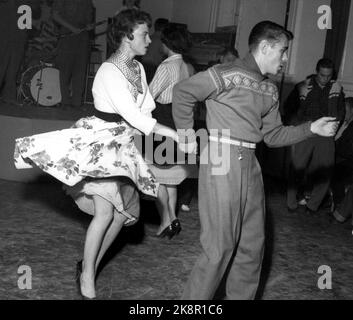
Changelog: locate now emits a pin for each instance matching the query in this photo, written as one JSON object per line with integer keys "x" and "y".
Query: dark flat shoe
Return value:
{"x": 176, "y": 226}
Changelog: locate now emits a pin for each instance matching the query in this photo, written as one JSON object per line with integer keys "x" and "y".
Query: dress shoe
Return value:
{"x": 302, "y": 202}
{"x": 167, "y": 232}
{"x": 292, "y": 210}
{"x": 185, "y": 207}
{"x": 173, "y": 229}
{"x": 176, "y": 227}
{"x": 337, "y": 218}
{"x": 311, "y": 212}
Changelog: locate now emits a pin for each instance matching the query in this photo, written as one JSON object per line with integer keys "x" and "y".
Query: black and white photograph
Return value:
{"x": 176, "y": 154}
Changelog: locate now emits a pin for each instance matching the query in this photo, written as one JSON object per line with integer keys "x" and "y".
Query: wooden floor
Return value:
{"x": 41, "y": 229}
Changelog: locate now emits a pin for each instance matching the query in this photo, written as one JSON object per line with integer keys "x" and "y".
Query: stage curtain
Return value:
{"x": 336, "y": 37}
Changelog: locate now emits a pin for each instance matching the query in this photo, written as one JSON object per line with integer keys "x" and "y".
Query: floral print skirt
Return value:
{"x": 93, "y": 157}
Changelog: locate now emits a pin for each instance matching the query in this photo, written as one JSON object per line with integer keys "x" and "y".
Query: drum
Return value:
{"x": 40, "y": 85}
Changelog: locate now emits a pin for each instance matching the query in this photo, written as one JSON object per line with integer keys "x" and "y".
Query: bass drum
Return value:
{"x": 40, "y": 85}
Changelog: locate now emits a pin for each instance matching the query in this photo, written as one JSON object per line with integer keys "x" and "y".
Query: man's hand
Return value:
{"x": 188, "y": 147}
{"x": 326, "y": 126}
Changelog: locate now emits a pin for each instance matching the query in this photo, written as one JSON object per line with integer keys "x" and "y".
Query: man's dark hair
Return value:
{"x": 124, "y": 24}
{"x": 160, "y": 24}
{"x": 325, "y": 63}
{"x": 267, "y": 30}
{"x": 136, "y": 3}
{"x": 176, "y": 39}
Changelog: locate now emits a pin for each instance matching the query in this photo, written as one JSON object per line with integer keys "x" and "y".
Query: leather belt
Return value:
{"x": 248, "y": 145}
{"x": 109, "y": 117}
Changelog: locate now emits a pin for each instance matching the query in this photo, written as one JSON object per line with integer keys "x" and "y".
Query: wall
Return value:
{"x": 254, "y": 11}
{"x": 308, "y": 44}
{"x": 227, "y": 12}
{"x": 196, "y": 14}
{"x": 204, "y": 15}
{"x": 346, "y": 72}
{"x": 158, "y": 8}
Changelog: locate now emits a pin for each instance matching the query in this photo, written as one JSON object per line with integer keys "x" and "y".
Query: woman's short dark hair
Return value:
{"x": 160, "y": 24}
{"x": 124, "y": 24}
{"x": 176, "y": 39}
{"x": 267, "y": 30}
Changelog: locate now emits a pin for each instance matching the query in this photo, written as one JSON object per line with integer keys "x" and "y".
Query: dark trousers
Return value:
{"x": 346, "y": 208}
{"x": 315, "y": 158}
{"x": 186, "y": 191}
{"x": 232, "y": 214}
{"x": 11, "y": 57}
{"x": 72, "y": 59}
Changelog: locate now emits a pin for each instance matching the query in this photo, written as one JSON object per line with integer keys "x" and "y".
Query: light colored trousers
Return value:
{"x": 232, "y": 215}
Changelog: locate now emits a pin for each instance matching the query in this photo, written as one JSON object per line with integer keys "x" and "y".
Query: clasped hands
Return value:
{"x": 187, "y": 142}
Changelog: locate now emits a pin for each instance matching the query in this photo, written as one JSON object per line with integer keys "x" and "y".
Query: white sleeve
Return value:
{"x": 111, "y": 86}
{"x": 160, "y": 81}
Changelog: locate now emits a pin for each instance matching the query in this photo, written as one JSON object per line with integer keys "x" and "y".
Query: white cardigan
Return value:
{"x": 112, "y": 94}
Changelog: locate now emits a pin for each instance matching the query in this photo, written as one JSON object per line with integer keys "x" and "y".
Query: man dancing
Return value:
{"x": 239, "y": 97}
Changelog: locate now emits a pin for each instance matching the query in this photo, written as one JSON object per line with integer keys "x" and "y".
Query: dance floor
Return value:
{"x": 42, "y": 229}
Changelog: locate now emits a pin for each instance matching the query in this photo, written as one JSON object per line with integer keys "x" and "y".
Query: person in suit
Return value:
{"x": 72, "y": 17}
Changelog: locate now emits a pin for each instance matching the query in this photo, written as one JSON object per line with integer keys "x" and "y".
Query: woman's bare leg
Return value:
{"x": 103, "y": 215}
{"x": 112, "y": 232}
{"x": 163, "y": 208}
{"x": 172, "y": 200}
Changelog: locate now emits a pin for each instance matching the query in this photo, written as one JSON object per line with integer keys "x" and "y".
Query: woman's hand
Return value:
{"x": 188, "y": 147}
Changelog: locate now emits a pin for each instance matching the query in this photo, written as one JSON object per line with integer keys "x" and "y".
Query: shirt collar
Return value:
{"x": 129, "y": 68}
{"x": 314, "y": 81}
{"x": 174, "y": 57}
{"x": 251, "y": 64}
{"x": 122, "y": 57}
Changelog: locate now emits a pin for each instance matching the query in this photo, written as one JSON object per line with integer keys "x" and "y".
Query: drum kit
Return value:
{"x": 40, "y": 85}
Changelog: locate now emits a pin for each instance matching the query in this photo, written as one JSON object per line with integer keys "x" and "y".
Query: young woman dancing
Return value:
{"x": 97, "y": 158}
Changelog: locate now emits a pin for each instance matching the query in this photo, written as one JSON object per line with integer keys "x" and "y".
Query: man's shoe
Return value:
{"x": 313, "y": 213}
{"x": 302, "y": 202}
{"x": 292, "y": 210}
{"x": 337, "y": 217}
